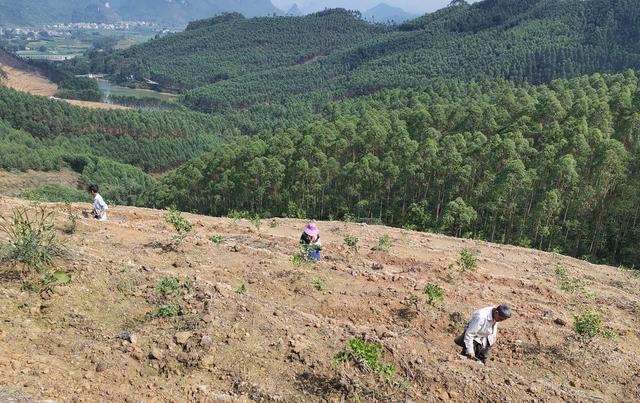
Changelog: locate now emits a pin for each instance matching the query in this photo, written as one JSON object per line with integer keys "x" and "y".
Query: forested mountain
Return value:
{"x": 39, "y": 12}
{"x": 183, "y": 11}
{"x": 108, "y": 147}
{"x": 231, "y": 46}
{"x": 555, "y": 167}
{"x": 178, "y": 12}
{"x": 233, "y": 63}
{"x": 116, "y": 147}
{"x": 464, "y": 127}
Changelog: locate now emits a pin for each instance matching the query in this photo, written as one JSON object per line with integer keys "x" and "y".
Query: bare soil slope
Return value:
{"x": 29, "y": 81}
{"x": 97, "y": 339}
{"x": 25, "y": 78}
{"x": 13, "y": 183}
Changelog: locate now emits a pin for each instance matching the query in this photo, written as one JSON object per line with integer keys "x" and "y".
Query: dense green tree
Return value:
{"x": 458, "y": 217}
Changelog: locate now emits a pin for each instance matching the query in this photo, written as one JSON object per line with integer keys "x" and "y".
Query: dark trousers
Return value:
{"x": 481, "y": 353}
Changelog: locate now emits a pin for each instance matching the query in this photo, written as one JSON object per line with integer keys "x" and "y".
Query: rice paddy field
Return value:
{"x": 79, "y": 41}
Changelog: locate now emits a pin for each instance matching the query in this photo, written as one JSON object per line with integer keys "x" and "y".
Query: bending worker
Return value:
{"x": 481, "y": 331}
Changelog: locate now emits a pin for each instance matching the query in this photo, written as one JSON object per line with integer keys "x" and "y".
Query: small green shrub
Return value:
{"x": 300, "y": 257}
{"x": 351, "y": 242}
{"x": 348, "y": 217}
{"x": 384, "y": 243}
{"x": 57, "y": 278}
{"x": 32, "y": 239}
{"x": 557, "y": 250}
{"x": 468, "y": 259}
{"x": 186, "y": 323}
{"x": 167, "y": 311}
{"x": 560, "y": 271}
{"x": 242, "y": 289}
{"x": 239, "y": 215}
{"x": 179, "y": 224}
{"x": 434, "y": 293}
{"x": 168, "y": 287}
{"x": 587, "y": 325}
{"x": 47, "y": 283}
{"x": 255, "y": 220}
{"x": 318, "y": 283}
{"x": 71, "y": 224}
{"x": 216, "y": 239}
{"x": 28, "y": 286}
{"x": 525, "y": 242}
{"x": 570, "y": 284}
{"x": 365, "y": 355}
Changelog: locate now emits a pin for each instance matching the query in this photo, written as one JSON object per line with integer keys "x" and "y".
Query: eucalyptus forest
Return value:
{"x": 512, "y": 121}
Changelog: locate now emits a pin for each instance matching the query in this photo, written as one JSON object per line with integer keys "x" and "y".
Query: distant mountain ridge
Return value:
{"x": 384, "y": 13}
{"x": 172, "y": 12}
{"x": 231, "y": 45}
{"x": 240, "y": 62}
{"x": 38, "y": 12}
{"x": 295, "y": 11}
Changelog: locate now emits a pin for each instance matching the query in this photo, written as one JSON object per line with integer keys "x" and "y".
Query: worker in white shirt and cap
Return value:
{"x": 100, "y": 208}
{"x": 481, "y": 332}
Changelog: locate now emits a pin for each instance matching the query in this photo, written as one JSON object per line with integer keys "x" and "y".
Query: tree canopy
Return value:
{"x": 230, "y": 62}
{"x": 554, "y": 166}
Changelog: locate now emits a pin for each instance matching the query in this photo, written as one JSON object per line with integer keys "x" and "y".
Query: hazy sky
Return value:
{"x": 414, "y": 6}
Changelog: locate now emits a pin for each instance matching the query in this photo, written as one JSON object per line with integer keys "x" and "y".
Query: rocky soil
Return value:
{"x": 250, "y": 324}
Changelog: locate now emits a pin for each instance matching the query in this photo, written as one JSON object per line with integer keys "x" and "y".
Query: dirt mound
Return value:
{"x": 227, "y": 316}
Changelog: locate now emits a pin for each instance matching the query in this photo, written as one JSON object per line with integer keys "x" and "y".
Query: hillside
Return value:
{"x": 231, "y": 46}
{"x": 252, "y": 326}
{"x": 40, "y": 12}
{"x": 112, "y": 147}
{"x": 21, "y": 76}
{"x": 174, "y": 13}
{"x": 333, "y": 54}
{"x": 181, "y": 12}
{"x": 552, "y": 166}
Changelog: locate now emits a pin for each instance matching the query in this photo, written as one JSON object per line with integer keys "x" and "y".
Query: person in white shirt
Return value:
{"x": 481, "y": 332}
{"x": 100, "y": 208}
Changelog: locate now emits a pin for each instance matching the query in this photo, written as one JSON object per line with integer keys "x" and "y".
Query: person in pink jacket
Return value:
{"x": 310, "y": 241}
